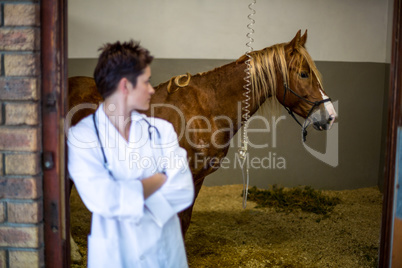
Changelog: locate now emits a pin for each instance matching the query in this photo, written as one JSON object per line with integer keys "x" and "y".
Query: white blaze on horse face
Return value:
{"x": 322, "y": 116}
{"x": 330, "y": 109}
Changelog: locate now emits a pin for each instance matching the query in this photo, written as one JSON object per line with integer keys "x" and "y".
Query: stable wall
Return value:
{"x": 348, "y": 40}
{"x": 339, "y": 30}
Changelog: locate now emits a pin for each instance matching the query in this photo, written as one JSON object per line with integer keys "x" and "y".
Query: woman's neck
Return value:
{"x": 118, "y": 115}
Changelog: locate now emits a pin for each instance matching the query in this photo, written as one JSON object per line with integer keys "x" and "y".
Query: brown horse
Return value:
{"x": 204, "y": 108}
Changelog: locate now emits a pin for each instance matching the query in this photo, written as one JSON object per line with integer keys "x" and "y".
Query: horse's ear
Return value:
{"x": 303, "y": 39}
{"x": 294, "y": 44}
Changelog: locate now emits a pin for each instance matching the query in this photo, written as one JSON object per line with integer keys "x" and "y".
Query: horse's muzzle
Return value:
{"x": 324, "y": 123}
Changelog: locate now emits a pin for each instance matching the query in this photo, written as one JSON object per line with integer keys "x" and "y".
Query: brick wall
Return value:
{"x": 21, "y": 217}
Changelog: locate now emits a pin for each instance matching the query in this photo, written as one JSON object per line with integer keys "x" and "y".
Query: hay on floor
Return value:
{"x": 223, "y": 234}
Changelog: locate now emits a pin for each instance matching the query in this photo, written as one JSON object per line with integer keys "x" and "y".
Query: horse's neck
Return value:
{"x": 214, "y": 100}
{"x": 226, "y": 85}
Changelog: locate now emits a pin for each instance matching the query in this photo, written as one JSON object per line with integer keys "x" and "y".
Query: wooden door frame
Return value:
{"x": 54, "y": 91}
{"x": 394, "y": 121}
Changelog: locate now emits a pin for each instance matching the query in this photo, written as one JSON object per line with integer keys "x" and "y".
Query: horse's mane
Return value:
{"x": 263, "y": 75}
{"x": 263, "y": 72}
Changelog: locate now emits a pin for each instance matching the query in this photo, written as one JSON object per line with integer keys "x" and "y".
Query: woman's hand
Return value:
{"x": 153, "y": 183}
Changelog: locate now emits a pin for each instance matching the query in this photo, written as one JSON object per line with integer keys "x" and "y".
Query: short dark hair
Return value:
{"x": 120, "y": 60}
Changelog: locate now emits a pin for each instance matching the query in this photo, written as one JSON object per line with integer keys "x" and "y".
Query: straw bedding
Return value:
{"x": 223, "y": 234}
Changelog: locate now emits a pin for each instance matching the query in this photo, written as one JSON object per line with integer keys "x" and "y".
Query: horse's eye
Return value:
{"x": 303, "y": 75}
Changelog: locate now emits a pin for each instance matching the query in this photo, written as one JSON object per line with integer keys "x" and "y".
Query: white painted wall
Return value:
{"x": 389, "y": 31}
{"x": 339, "y": 30}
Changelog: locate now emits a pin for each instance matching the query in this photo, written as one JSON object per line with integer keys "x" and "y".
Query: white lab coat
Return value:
{"x": 126, "y": 230}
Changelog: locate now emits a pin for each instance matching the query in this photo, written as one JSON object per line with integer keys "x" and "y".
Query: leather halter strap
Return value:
{"x": 314, "y": 104}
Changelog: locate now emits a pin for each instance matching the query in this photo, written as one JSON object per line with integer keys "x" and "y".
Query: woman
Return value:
{"x": 121, "y": 164}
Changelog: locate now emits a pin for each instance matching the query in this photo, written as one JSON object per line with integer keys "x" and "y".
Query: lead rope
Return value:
{"x": 246, "y": 105}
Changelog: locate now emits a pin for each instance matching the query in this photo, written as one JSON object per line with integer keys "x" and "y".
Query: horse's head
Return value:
{"x": 301, "y": 91}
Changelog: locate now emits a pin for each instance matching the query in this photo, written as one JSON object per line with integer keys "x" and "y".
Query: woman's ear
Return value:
{"x": 123, "y": 85}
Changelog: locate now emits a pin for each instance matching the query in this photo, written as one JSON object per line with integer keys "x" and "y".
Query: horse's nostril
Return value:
{"x": 317, "y": 125}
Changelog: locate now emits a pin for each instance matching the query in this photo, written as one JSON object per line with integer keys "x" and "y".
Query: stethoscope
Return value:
{"x": 150, "y": 128}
